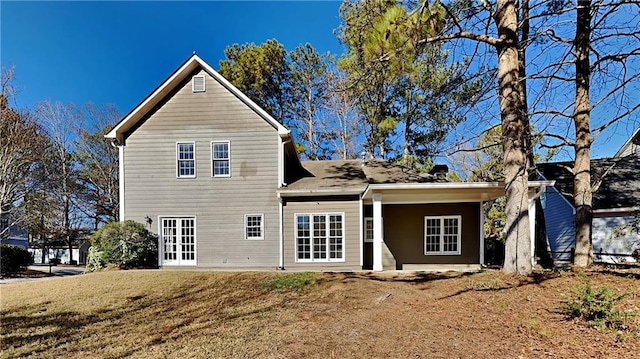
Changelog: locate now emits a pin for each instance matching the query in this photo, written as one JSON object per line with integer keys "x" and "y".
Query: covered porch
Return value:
{"x": 429, "y": 226}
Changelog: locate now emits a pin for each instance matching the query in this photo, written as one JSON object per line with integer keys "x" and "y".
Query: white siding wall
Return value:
{"x": 604, "y": 240}
{"x": 218, "y": 204}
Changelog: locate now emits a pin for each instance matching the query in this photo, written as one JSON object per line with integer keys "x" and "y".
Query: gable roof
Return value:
{"x": 628, "y": 146}
{"x": 616, "y": 181}
{"x": 191, "y": 64}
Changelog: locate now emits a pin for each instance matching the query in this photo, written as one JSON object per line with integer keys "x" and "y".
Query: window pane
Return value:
{"x": 220, "y": 156}
{"x": 186, "y": 160}
{"x": 169, "y": 239}
{"x": 253, "y": 226}
{"x": 303, "y": 239}
{"x": 186, "y": 151}
{"x": 188, "y": 239}
{"x": 319, "y": 237}
{"x": 432, "y": 235}
{"x": 220, "y": 167}
{"x": 368, "y": 229}
{"x": 451, "y": 235}
{"x": 335, "y": 237}
{"x": 220, "y": 151}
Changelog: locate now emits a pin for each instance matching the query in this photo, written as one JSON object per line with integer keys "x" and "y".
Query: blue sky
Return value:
{"x": 118, "y": 52}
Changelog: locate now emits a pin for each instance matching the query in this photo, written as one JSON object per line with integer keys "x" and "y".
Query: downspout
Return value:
{"x": 361, "y": 232}
{"x": 120, "y": 144}
{"x": 281, "y": 183}
{"x": 281, "y": 163}
{"x": 121, "y": 182}
{"x": 281, "y": 232}
{"x": 482, "y": 234}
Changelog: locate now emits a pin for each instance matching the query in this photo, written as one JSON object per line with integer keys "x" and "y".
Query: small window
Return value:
{"x": 254, "y": 226}
{"x": 220, "y": 159}
{"x": 198, "y": 83}
{"x": 442, "y": 235}
{"x": 186, "y": 159}
{"x": 368, "y": 229}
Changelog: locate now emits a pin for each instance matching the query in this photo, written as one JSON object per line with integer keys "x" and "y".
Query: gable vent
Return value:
{"x": 198, "y": 83}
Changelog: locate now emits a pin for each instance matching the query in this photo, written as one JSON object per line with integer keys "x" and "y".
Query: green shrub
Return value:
{"x": 94, "y": 260}
{"x": 124, "y": 244}
{"x": 294, "y": 281}
{"x": 597, "y": 306}
{"x": 13, "y": 259}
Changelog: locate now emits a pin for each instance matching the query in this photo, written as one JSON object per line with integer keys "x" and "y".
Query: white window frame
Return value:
{"x": 178, "y": 159}
{"x": 246, "y": 227}
{"x": 193, "y": 84}
{"x": 442, "y": 219}
{"x": 178, "y": 261}
{"x": 368, "y": 239}
{"x": 228, "y": 159}
{"x": 327, "y": 236}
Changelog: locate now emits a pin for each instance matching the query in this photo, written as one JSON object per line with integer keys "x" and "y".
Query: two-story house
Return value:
{"x": 223, "y": 185}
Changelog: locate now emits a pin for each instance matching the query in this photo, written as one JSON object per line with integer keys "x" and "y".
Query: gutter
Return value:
{"x": 321, "y": 192}
{"x": 433, "y": 186}
{"x": 542, "y": 190}
{"x": 621, "y": 210}
{"x": 281, "y": 232}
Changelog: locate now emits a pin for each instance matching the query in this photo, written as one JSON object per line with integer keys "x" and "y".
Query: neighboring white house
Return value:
{"x": 616, "y": 200}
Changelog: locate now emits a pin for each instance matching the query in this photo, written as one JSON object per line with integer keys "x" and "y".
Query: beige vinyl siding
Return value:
{"x": 351, "y": 228}
{"x": 218, "y": 203}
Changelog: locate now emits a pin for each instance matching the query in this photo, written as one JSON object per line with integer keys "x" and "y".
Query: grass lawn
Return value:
{"x": 157, "y": 314}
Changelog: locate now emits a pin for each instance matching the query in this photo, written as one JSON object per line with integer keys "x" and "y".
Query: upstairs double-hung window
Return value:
{"x": 221, "y": 166}
{"x": 186, "y": 159}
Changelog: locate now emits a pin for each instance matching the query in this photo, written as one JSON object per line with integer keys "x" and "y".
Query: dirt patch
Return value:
{"x": 485, "y": 315}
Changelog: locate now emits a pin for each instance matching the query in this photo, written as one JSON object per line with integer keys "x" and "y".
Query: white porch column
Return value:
{"x": 481, "y": 233}
{"x": 377, "y": 232}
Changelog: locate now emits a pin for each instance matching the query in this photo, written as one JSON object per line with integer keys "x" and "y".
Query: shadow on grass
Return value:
{"x": 145, "y": 320}
{"x": 620, "y": 274}
{"x": 514, "y": 281}
{"x": 415, "y": 277}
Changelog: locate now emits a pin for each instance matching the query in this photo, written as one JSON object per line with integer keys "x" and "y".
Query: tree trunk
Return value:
{"x": 581, "y": 117}
{"x": 518, "y": 245}
{"x": 522, "y": 63}
{"x": 407, "y": 137}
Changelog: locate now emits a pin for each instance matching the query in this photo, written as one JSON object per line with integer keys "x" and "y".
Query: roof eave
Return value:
{"x": 320, "y": 192}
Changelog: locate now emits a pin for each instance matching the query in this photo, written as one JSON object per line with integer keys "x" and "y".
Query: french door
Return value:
{"x": 178, "y": 241}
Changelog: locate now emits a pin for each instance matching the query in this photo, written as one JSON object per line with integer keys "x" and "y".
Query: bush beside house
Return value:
{"x": 13, "y": 259}
{"x": 125, "y": 244}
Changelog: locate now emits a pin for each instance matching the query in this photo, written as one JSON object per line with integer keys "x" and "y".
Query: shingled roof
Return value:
{"x": 350, "y": 176}
{"x": 617, "y": 181}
